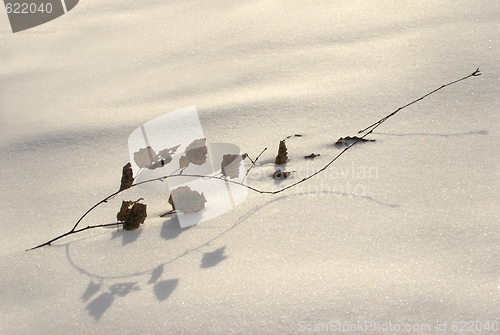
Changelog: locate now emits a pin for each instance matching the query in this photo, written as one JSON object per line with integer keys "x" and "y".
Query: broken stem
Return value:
{"x": 254, "y": 161}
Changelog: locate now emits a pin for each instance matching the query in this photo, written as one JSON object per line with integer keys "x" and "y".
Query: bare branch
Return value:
{"x": 368, "y": 130}
{"x": 74, "y": 232}
{"x": 372, "y": 127}
{"x": 254, "y": 162}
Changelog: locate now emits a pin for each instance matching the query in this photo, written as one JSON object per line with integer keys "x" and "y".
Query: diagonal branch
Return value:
{"x": 73, "y": 231}
{"x": 368, "y": 130}
{"x": 382, "y": 120}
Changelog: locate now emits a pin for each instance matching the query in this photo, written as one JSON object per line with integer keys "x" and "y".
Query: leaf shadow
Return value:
{"x": 127, "y": 236}
{"x": 163, "y": 289}
{"x": 92, "y": 289}
{"x": 213, "y": 258}
{"x": 280, "y": 174}
{"x": 171, "y": 228}
{"x": 156, "y": 274}
{"x": 123, "y": 289}
{"x": 97, "y": 307}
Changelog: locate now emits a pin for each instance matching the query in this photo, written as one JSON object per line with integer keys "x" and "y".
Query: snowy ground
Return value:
{"x": 413, "y": 242}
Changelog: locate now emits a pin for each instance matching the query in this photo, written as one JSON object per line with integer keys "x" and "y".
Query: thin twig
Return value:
{"x": 92, "y": 208}
{"x": 253, "y": 162}
{"x": 74, "y": 232}
{"x": 382, "y": 120}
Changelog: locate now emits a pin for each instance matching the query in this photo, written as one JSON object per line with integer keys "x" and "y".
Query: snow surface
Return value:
{"x": 414, "y": 242}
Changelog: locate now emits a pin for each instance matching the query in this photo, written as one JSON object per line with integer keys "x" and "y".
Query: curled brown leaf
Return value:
{"x": 136, "y": 217}
{"x": 282, "y": 154}
{"x": 124, "y": 210}
{"x": 132, "y": 214}
{"x": 127, "y": 177}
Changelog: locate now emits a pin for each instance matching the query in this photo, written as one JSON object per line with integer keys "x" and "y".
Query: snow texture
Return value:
{"x": 403, "y": 230}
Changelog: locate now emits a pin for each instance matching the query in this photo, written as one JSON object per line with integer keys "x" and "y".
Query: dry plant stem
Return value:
{"x": 368, "y": 131}
{"x": 74, "y": 232}
{"x": 382, "y": 120}
{"x": 92, "y": 208}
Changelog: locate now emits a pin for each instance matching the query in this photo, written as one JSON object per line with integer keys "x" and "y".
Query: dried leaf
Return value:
{"x": 346, "y": 140}
{"x": 197, "y": 151}
{"x": 163, "y": 157}
{"x": 125, "y": 209}
{"x": 144, "y": 157}
{"x": 313, "y": 155}
{"x": 230, "y": 166}
{"x": 183, "y": 162}
{"x": 187, "y": 200}
{"x": 282, "y": 154}
{"x": 127, "y": 177}
{"x": 136, "y": 217}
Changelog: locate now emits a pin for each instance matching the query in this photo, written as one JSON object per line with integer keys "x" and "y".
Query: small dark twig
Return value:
{"x": 173, "y": 211}
{"x": 253, "y": 162}
{"x": 72, "y": 231}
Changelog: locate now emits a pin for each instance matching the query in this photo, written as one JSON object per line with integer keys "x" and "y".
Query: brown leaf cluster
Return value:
{"x": 187, "y": 200}
{"x": 132, "y": 214}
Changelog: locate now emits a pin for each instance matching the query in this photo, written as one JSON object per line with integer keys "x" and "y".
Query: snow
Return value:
{"x": 414, "y": 242}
